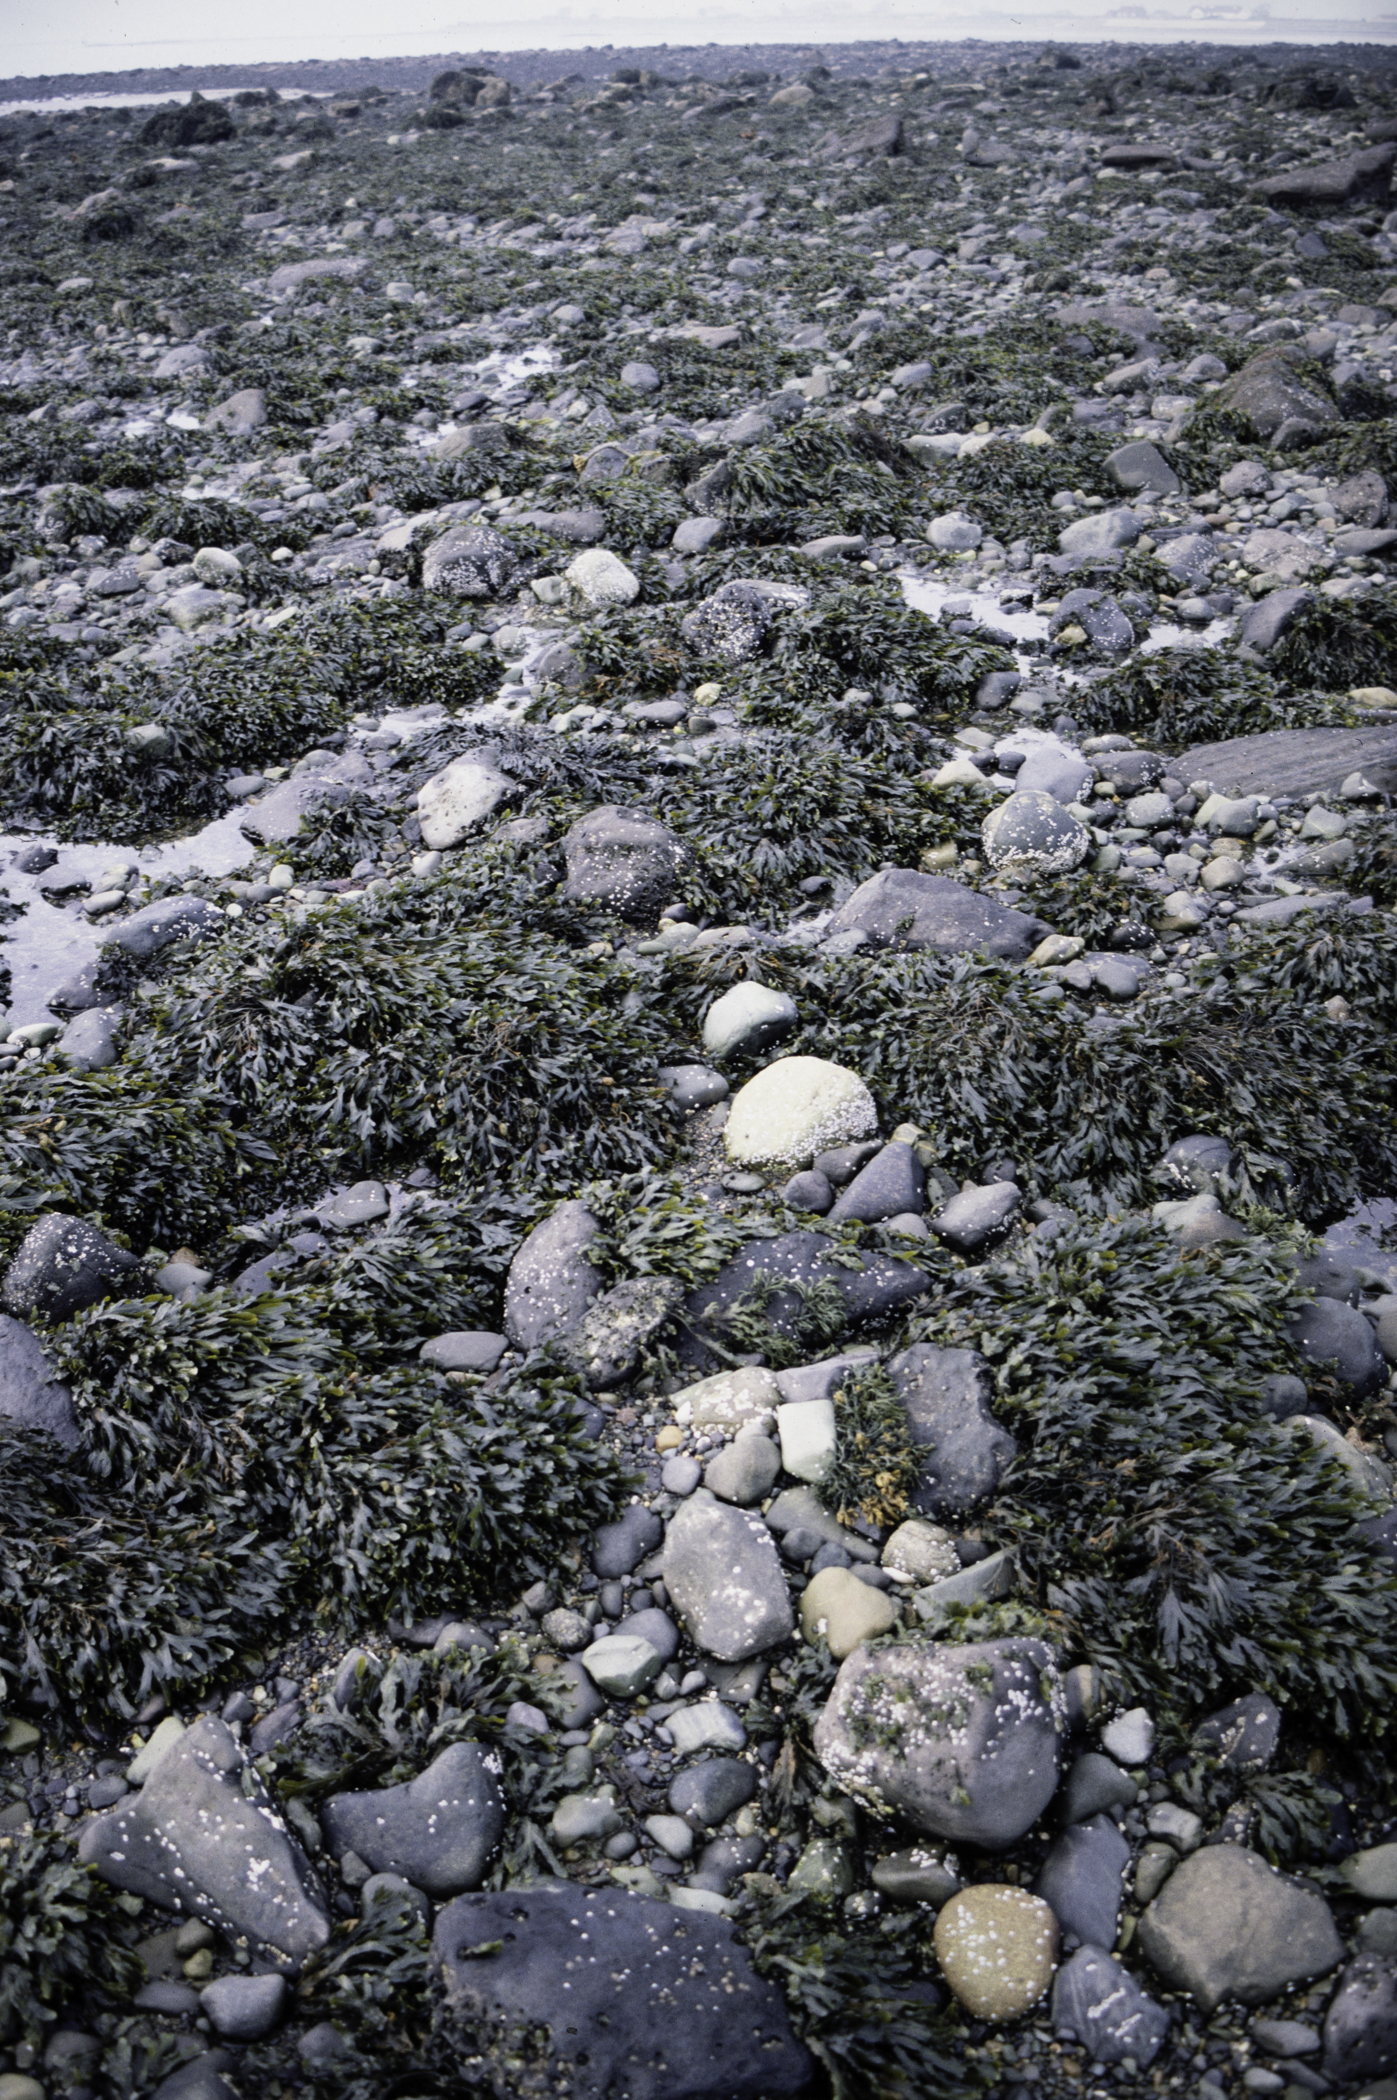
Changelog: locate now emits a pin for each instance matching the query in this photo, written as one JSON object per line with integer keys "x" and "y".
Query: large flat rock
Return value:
{"x": 1293, "y": 761}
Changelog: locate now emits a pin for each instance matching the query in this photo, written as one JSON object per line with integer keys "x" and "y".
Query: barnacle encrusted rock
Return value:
{"x": 997, "y": 1947}
{"x": 458, "y": 799}
{"x": 203, "y": 1837}
{"x": 962, "y": 1741}
{"x": 438, "y": 1830}
{"x": 624, "y": 860}
{"x": 796, "y": 1108}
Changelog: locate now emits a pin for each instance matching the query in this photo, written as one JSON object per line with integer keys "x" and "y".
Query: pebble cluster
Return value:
{"x": 698, "y": 1173}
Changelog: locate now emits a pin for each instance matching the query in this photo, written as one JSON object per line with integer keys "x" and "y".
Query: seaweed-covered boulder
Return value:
{"x": 903, "y": 908}
{"x": 63, "y": 1265}
{"x": 470, "y": 561}
{"x": 551, "y": 1281}
{"x": 961, "y": 1741}
{"x": 731, "y": 625}
{"x": 197, "y": 122}
{"x": 607, "y": 1341}
{"x": 1270, "y": 390}
{"x": 946, "y": 1393}
{"x": 31, "y": 1393}
{"x": 623, "y": 1994}
{"x": 277, "y": 816}
{"x": 1227, "y": 1925}
{"x": 438, "y": 1830}
{"x": 622, "y": 860}
{"x": 203, "y": 1836}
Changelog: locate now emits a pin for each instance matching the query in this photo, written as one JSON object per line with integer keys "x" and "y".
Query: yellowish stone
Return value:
{"x": 669, "y": 1438}
{"x": 846, "y": 1611}
{"x": 997, "y": 1947}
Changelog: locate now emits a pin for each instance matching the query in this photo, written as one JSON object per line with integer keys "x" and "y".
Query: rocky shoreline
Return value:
{"x": 697, "y": 1175}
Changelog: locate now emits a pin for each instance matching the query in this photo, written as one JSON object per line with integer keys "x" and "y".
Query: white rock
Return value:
{"x": 621, "y": 1664}
{"x": 457, "y": 799}
{"x": 806, "y": 1429}
{"x": 602, "y": 578}
{"x": 164, "y": 1737}
{"x": 214, "y": 566}
{"x": 958, "y": 772}
{"x": 954, "y": 532}
{"x": 672, "y": 1834}
{"x": 750, "y": 1015}
{"x": 729, "y": 1398}
{"x": 709, "y": 1726}
{"x": 1129, "y": 1739}
{"x": 796, "y": 1108}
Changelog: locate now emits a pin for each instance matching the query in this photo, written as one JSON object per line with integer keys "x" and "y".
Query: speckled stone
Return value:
{"x": 997, "y": 1947}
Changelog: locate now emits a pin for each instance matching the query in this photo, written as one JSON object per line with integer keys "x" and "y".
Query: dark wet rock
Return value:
{"x": 693, "y": 1086}
{"x": 946, "y": 1393}
{"x": 551, "y": 1281}
{"x": 623, "y": 860}
{"x": 962, "y": 1742}
{"x": 469, "y": 560}
{"x": 30, "y": 1391}
{"x": 88, "y": 1043}
{"x": 1334, "y": 1336}
{"x": 879, "y": 139}
{"x": 189, "y": 1840}
{"x": 1199, "y": 1163}
{"x": 892, "y": 1183}
{"x": 709, "y": 1793}
{"x": 1363, "y": 177}
{"x": 1082, "y": 1878}
{"x": 1032, "y": 832}
{"x": 1360, "y": 2027}
{"x": 654, "y": 1626}
{"x": 976, "y": 1215}
{"x": 1270, "y": 391}
{"x": 1263, "y": 624}
{"x": 1294, "y": 761}
{"x": 63, "y": 1265}
{"x": 1093, "y": 1784}
{"x": 795, "y": 1259}
{"x": 1242, "y": 1736}
{"x": 620, "y": 1547}
{"x": 1141, "y": 465}
{"x": 1102, "y": 2005}
{"x": 157, "y": 927}
{"x": 277, "y": 817}
{"x": 244, "y": 2008}
{"x": 200, "y": 2080}
{"x": 724, "y": 1579}
{"x": 1227, "y": 1925}
{"x": 811, "y": 1191}
{"x": 731, "y": 625}
{"x": 659, "y": 1998}
{"x": 905, "y": 909}
{"x": 438, "y": 1830}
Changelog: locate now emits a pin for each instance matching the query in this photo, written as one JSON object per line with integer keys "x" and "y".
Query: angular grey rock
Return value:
{"x": 1270, "y": 391}
{"x": 202, "y": 1836}
{"x": 1294, "y": 761}
{"x": 580, "y": 528}
{"x": 623, "y": 860}
{"x": 1100, "y": 532}
{"x": 88, "y": 1043}
{"x": 240, "y": 414}
{"x": 1189, "y": 558}
{"x": 1102, "y": 2005}
{"x": 607, "y": 1341}
{"x": 1264, "y": 622}
{"x": 1336, "y": 1337}
{"x": 725, "y": 1580}
{"x": 468, "y": 1349}
{"x": 470, "y": 561}
{"x": 743, "y": 1471}
{"x": 63, "y": 1265}
{"x": 551, "y": 1282}
{"x": 244, "y": 2008}
{"x": 1141, "y": 465}
{"x": 1033, "y": 831}
{"x": 628, "y": 1994}
{"x": 794, "y": 1259}
{"x": 1360, "y": 2027}
{"x": 880, "y": 138}
{"x": 619, "y": 1548}
{"x": 1082, "y": 1880}
{"x": 961, "y": 1741}
{"x": 697, "y": 535}
{"x": 438, "y": 1830}
{"x": 1242, "y": 1736}
{"x": 1093, "y": 1784}
{"x": 149, "y": 931}
{"x": 711, "y": 1792}
{"x": 277, "y": 817}
{"x": 946, "y": 1393}
{"x": 731, "y": 625}
{"x": 30, "y": 1393}
{"x": 906, "y": 909}
{"x": 1358, "y": 177}
{"x": 975, "y": 1215}
{"x": 1227, "y": 1925}
{"x": 894, "y": 1181}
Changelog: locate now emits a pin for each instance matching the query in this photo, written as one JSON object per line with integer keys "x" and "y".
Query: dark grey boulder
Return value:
{"x": 1242, "y": 1736}
{"x": 607, "y": 1341}
{"x": 1262, "y": 624}
{"x": 204, "y": 1837}
{"x": 244, "y": 2008}
{"x": 881, "y": 137}
{"x": 626, "y": 1996}
{"x": 551, "y": 1282}
{"x": 1033, "y": 831}
{"x": 693, "y": 1086}
{"x": 30, "y": 1392}
{"x": 1101, "y": 2005}
{"x": 1199, "y": 1162}
{"x": 467, "y": 1349}
{"x": 960, "y": 1741}
{"x": 619, "y": 1548}
{"x": 903, "y": 908}
{"x": 82, "y": 991}
{"x": 1294, "y": 761}
{"x": 809, "y": 1191}
{"x": 200, "y": 2080}
{"x": 1132, "y": 772}
{"x": 1270, "y": 390}
{"x": 1082, "y": 1880}
{"x": 623, "y": 860}
{"x": 946, "y": 1393}
{"x": 1365, "y": 176}
{"x": 1141, "y": 465}
{"x": 976, "y": 1215}
{"x": 438, "y": 1830}
{"x": 1093, "y": 1784}
{"x": 1360, "y": 2027}
{"x": 723, "y": 1859}
{"x": 711, "y": 1792}
{"x": 1189, "y": 558}
{"x": 470, "y": 561}
{"x": 88, "y": 1043}
{"x": 63, "y": 1265}
{"x": 794, "y": 1259}
{"x": 1227, "y": 1925}
{"x": 725, "y": 1580}
{"x": 1338, "y": 1338}
{"x": 158, "y": 926}
{"x": 1362, "y": 498}
{"x": 731, "y": 625}
{"x": 277, "y": 817}
{"x": 893, "y": 1182}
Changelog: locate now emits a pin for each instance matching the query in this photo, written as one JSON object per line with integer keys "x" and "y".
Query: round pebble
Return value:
{"x": 681, "y": 1475}
{"x": 997, "y": 1947}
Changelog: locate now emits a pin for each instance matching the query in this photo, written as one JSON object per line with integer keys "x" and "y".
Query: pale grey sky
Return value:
{"x": 85, "y": 36}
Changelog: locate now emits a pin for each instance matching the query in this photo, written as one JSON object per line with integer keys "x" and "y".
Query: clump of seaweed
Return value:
{"x": 876, "y": 1464}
